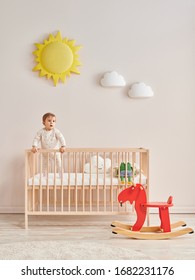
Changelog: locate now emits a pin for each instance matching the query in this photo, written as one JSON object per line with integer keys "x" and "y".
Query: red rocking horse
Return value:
{"x": 137, "y": 193}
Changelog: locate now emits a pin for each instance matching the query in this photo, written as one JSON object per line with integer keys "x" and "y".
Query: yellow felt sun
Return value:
{"x": 56, "y": 58}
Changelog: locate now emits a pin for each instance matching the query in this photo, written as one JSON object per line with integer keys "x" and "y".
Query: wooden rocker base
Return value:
{"x": 150, "y": 233}
{"x": 147, "y": 229}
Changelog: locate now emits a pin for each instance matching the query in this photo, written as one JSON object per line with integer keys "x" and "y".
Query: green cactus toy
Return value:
{"x": 126, "y": 172}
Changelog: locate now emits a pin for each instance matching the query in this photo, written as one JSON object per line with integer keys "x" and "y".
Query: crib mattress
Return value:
{"x": 79, "y": 179}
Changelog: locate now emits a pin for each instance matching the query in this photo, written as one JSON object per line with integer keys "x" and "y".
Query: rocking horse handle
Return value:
{"x": 170, "y": 200}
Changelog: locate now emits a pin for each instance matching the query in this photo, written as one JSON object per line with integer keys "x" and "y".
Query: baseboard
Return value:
{"x": 174, "y": 210}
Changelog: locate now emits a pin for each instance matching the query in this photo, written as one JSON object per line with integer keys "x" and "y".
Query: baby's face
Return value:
{"x": 50, "y": 123}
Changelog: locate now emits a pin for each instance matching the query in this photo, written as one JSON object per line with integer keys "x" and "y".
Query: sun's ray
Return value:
{"x": 71, "y": 43}
{"x": 42, "y": 73}
{"x": 55, "y": 79}
{"x": 49, "y": 75}
{"x": 39, "y": 46}
{"x": 51, "y": 38}
{"x": 77, "y": 48}
{"x": 65, "y": 40}
{"x": 37, "y": 67}
{"x": 63, "y": 77}
{"x": 58, "y": 36}
{"x": 37, "y": 52}
{"x": 76, "y": 62}
{"x": 75, "y": 70}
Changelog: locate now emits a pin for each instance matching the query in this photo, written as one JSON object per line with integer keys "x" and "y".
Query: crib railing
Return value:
{"x": 81, "y": 181}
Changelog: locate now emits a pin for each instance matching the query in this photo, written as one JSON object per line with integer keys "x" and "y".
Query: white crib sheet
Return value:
{"x": 73, "y": 179}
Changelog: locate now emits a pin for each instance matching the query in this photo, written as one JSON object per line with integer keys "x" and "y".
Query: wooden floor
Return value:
{"x": 97, "y": 228}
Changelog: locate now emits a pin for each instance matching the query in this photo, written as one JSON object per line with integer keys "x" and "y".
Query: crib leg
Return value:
{"x": 26, "y": 221}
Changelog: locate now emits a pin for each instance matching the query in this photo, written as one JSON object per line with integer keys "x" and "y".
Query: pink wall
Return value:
{"x": 145, "y": 41}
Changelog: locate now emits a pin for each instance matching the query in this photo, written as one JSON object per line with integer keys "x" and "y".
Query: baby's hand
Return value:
{"x": 34, "y": 149}
{"x": 62, "y": 149}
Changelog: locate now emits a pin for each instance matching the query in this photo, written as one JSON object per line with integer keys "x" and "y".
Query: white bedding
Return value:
{"x": 73, "y": 179}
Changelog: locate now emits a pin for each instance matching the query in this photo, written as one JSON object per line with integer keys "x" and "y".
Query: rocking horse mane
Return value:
{"x": 134, "y": 193}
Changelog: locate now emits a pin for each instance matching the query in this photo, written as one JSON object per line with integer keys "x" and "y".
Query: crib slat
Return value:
{"x": 83, "y": 186}
{"x": 62, "y": 184}
{"x": 33, "y": 189}
{"x": 41, "y": 187}
{"x": 104, "y": 195}
{"x": 118, "y": 166}
{"x": 111, "y": 177}
{"x": 26, "y": 190}
{"x": 68, "y": 182}
{"x": 47, "y": 179}
{"x": 90, "y": 186}
{"x": 55, "y": 171}
{"x": 97, "y": 180}
{"x": 134, "y": 164}
{"x": 76, "y": 187}
{"x": 126, "y": 179}
{"x": 140, "y": 171}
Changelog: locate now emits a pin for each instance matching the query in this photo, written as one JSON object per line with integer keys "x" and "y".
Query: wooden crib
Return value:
{"x": 81, "y": 181}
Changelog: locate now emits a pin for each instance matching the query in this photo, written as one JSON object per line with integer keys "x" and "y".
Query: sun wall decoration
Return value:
{"x": 57, "y": 58}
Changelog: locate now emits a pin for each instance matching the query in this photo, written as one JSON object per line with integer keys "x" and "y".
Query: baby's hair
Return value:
{"x": 45, "y": 116}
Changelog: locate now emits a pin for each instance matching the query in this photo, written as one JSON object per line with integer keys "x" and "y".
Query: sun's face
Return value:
{"x": 56, "y": 58}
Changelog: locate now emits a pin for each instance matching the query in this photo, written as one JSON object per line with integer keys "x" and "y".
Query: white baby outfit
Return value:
{"x": 49, "y": 139}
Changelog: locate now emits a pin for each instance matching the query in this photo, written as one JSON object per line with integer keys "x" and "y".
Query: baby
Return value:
{"x": 49, "y": 137}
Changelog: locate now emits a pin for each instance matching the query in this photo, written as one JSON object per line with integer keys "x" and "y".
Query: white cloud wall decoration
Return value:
{"x": 140, "y": 90}
{"x": 112, "y": 79}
